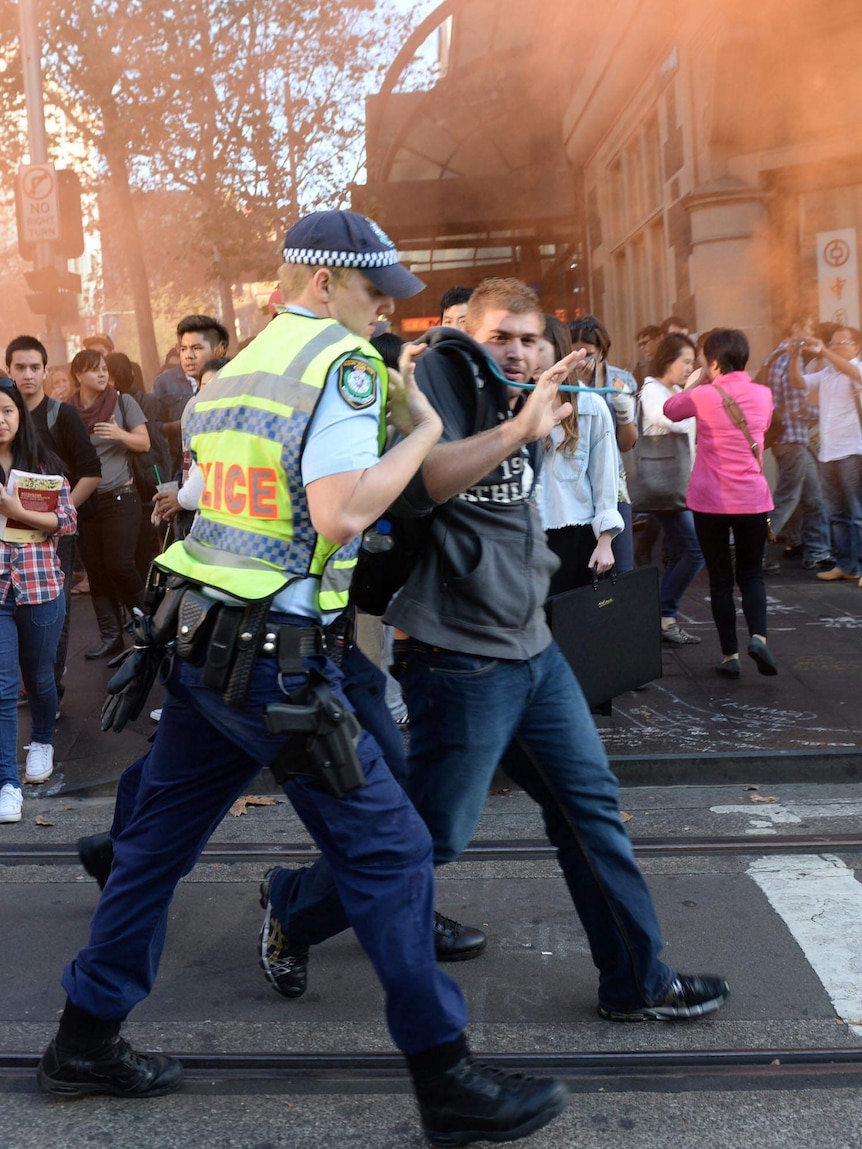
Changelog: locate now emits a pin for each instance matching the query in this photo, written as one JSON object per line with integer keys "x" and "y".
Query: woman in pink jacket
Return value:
{"x": 728, "y": 491}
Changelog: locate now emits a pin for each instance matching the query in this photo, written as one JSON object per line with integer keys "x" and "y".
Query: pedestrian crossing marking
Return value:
{"x": 820, "y": 901}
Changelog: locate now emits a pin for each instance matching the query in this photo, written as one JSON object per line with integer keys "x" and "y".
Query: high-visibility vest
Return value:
{"x": 253, "y": 533}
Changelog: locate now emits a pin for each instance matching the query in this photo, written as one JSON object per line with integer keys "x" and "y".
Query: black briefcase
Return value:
{"x": 610, "y": 632}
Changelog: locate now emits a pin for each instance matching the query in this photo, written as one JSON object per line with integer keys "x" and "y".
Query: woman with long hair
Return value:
{"x": 728, "y": 491}
{"x": 579, "y": 479}
{"x": 124, "y": 379}
{"x": 590, "y": 334}
{"x": 672, "y": 365}
{"x": 108, "y": 529}
{"x": 32, "y": 607}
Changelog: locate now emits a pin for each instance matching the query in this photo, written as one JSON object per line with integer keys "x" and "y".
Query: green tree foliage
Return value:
{"x": 245, "y": 114}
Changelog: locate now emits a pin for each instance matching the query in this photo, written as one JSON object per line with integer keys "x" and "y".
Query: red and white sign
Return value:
{"x": 40, "y": 206}
{"x": 416, "y": 324}
{"x": 838, "y": 276}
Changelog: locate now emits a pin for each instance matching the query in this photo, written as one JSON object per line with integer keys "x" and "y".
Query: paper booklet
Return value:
{"x": 37, "y": 493}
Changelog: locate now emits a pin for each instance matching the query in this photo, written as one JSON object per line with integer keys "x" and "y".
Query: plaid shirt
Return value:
{"x": 791, "y": 405}
{"x": 33, "y": 569}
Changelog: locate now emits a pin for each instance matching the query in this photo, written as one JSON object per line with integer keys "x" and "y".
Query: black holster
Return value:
{"x": 323, "y": 738}
{"x": 137, "y": 669}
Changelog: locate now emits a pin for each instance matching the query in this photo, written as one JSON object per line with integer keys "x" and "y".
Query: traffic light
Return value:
{"x": 56, "y": 293}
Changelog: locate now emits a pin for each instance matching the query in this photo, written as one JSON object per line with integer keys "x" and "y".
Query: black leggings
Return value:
{"x": 749, "y": 537}
{"x": 108, "y": 539}
{"x": 573, "y": 547}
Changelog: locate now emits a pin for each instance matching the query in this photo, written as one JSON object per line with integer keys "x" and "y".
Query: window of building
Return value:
{"x": 636, "y": 234}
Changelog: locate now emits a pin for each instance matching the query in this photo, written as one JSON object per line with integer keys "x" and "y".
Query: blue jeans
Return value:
{"x": 799, "y": 486}
{"x": 28, "y": 637}
{"x": 623, "y": 543}
{"x": 204, "y": 756}
{"x": 683, "y": 558}
{"x": 464, "y": 713}
{"x": 842, "y": 489}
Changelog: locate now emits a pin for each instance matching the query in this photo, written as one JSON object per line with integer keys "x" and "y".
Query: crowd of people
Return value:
{"x": 266, "y": 469}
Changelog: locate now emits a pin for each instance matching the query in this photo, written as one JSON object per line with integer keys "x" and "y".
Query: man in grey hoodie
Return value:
{"x": 482, "y": 676}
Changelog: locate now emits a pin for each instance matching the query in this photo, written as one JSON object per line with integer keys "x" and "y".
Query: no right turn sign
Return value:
{"x": 40, "y": 207}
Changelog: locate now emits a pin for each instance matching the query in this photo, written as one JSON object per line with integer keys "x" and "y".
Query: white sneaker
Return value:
{"x": 11, "y": 801}
{"x": 40, "y": 762}
{"x": 156, "y": 715}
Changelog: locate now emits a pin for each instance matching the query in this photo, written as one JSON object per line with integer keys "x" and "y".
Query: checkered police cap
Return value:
{"x": 347, "y": 239}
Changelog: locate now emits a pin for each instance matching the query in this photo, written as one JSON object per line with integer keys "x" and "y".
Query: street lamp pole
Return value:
{"x": 37, "y": 140}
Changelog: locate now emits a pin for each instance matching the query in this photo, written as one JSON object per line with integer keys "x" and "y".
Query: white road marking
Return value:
{"x": 762, "y": 815}
{"x": 820, "y": 901}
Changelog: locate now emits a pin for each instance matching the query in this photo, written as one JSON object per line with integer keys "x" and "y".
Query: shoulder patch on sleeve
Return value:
{"x": 357, "y": 383}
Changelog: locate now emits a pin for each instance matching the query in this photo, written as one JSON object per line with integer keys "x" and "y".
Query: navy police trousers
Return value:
{"x": 204, "y": 756}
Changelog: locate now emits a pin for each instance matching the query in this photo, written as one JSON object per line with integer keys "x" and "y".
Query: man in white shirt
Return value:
{"x": 838, "y": 388}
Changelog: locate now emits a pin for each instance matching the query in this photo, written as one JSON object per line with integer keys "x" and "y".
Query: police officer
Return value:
{"x": 288, "y": 438}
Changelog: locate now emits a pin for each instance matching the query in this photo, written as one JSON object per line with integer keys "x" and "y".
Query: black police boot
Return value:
{"x": 109, "y": 628}
{"x": 97, "y": 856}
{"x": 113, "y": 1067}
{"x": 454, "y": 942}
{"x": 89, "y": 1056}
{"x": 474, "y": 1102}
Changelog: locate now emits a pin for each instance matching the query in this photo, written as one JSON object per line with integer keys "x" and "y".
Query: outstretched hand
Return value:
{"x": 543, "y": 409}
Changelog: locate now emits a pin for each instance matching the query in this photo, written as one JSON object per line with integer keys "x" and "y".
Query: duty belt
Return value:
{"x": 290, "y": 644}
{"x": 225, "y": 637}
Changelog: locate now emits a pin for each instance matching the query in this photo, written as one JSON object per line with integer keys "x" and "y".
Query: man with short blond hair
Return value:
{"x": 481, "y": 672}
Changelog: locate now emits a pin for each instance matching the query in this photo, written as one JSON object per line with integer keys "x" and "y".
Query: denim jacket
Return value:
{"x": 580, "y": 487}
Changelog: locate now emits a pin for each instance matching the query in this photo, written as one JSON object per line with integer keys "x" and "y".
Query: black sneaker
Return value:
{"x": 455, "y": 942}
{"x": 473, "y": 1102}
{"x": 97, "y": 856}
{"x": 686, "y": 998}
{"x": 113, "y": 1068}
{"x": 284, "y": 962}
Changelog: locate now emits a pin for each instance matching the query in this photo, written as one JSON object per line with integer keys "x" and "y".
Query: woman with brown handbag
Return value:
{"x": 728, "y": 491}
{"x": 671, "y": 367}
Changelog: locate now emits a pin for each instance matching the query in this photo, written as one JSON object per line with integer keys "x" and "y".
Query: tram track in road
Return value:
{"x": 791, "y": 1069}
{"x": 658, "y": 1071}
{"x": 491, "y": 850}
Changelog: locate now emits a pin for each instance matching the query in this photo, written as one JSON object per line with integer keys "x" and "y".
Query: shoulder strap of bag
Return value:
{"x": 53, "y": 412}
{"x": 123, "y": 412}
{"x": 738, "y": 417}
